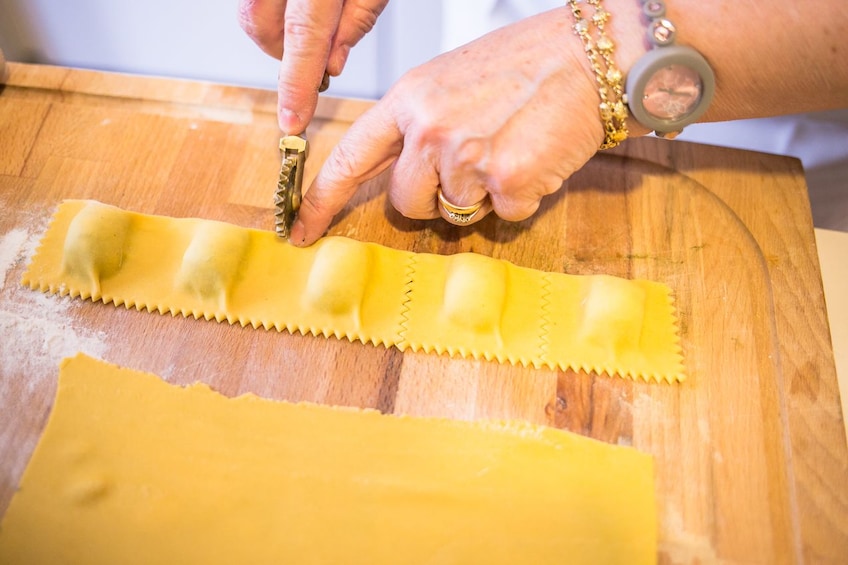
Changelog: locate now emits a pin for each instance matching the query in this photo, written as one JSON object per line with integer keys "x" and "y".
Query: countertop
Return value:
{"x": 750, "y": 452}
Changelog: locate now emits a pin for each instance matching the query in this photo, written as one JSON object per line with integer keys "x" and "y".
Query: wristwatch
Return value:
{"x": 670, "y": 86}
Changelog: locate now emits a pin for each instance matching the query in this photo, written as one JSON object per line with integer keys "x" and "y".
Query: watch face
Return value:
{"x": 672, "y": 92}
{"x": 669, "y": 88}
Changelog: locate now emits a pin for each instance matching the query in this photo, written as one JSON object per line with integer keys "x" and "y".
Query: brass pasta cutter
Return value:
{"x": 289, "y": 185}
{"x": 287, "y": 198}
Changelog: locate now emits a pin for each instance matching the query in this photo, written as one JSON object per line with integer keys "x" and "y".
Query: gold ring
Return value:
{"x": 459, "y": 214}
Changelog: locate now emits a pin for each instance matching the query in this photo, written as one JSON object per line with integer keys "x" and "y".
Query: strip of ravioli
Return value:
{"x": 465, "y": 304}
{"x": 132, "y": 470}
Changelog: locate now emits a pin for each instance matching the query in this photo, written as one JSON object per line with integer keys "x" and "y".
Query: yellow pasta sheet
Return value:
{"x": 465, "y": 304}
{"x": 133, "y": 470}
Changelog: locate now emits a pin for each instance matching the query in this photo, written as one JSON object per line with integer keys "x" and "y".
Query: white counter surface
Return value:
{"x": 833, "y": 255}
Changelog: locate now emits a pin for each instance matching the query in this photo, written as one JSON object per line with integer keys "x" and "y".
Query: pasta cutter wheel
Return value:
{"x": 289, "y": 185}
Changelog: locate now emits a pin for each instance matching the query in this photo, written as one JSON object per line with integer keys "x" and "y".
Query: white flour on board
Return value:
{"x": 36, "y": 330}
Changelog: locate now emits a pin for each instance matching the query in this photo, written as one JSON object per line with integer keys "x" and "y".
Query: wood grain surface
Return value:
{"x": 750, "y": 451}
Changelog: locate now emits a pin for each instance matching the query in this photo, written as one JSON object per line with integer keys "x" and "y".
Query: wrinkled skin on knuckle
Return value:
{"x": 403, "y": 206}
{"x": 255, "y": 22}
{"x": 423, "y": 126}
{"x": 247, "y": 16}
{"x": 364, "y": 18}
{"x": 515, "y": 170}
{"x": 518, "y": 183}
{"x": 410, "y": 94}
{"x": 306, "y": 34}
{"x": 413, "y": 181}
{"x": 471, "y": 154}
{"x": 342, "y": 162}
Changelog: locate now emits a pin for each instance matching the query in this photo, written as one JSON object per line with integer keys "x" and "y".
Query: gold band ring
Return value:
{"x": 459, "y": 214}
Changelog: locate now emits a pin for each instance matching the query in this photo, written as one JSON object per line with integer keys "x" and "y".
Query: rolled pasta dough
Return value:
{"x": 133, "y": 470}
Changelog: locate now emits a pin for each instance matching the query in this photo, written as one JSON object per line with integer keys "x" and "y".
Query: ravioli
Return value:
{"x": 465, "y": 304}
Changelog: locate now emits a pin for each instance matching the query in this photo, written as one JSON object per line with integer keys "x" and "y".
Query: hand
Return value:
{"x": 308, "y": 37}
{"x": 510, "y": 116}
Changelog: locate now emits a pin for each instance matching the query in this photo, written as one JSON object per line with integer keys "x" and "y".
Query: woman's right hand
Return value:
{"x": 501, "y": 121}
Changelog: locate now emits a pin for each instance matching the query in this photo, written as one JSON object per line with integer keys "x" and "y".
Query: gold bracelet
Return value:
{"x": 610, "y": 81}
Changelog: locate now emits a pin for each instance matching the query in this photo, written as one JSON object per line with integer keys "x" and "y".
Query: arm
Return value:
{"x": 463, "y": 121}
{"x": 770, "y": 58}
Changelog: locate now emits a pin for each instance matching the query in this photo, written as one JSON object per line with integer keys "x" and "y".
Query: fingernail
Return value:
{"x": 289, "y": 120}
{"x": 298, "y": 234}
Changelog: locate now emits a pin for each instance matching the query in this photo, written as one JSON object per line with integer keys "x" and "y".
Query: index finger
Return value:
{"x": 308, "y": 34}
{"x": 371, "y": 144}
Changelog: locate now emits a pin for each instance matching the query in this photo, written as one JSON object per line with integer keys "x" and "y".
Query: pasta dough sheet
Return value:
{"x": 132, "y": 470}
{"x": 464, "y": 304}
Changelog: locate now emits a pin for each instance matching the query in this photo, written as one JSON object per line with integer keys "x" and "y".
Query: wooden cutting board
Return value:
{"x": 751, "y": 458}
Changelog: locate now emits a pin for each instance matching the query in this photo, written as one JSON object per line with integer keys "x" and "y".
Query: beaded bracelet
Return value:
{"x": 610, "y": 80}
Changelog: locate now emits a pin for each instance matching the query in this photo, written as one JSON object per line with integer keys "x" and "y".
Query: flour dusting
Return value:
{"x": 11, "y": 246}
{"x": 36, "y": 331}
